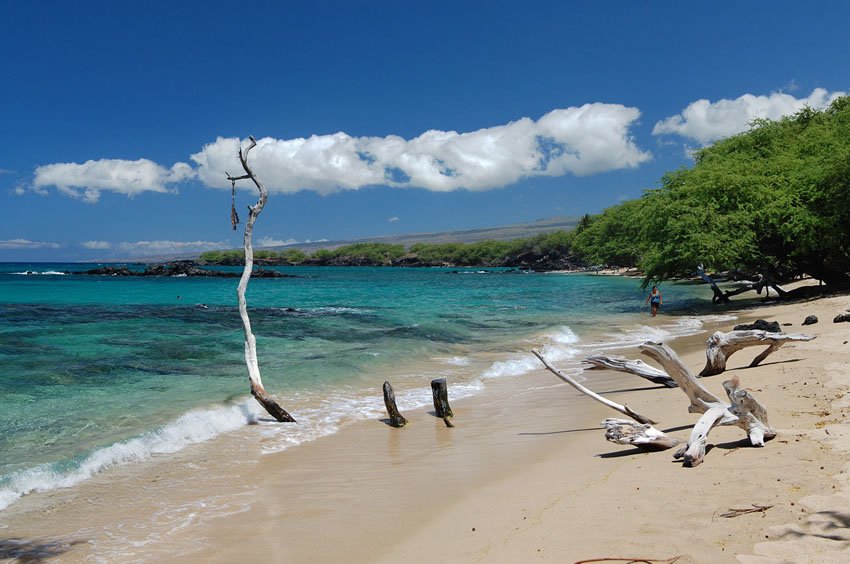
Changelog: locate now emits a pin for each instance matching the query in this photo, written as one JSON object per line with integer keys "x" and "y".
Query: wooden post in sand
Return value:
{"x": 396, "y": 418}
{"x": 440, "y": 391}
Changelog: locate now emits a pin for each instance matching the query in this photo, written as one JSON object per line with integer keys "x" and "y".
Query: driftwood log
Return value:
{"x": 440, "y": 391}
{"x": 641, "y": 435}
{"x": 743, "y": 411}
{"x": 721, "y": 346}
{"x": 396, "y": 418}
{"x": 257, "y": 389}
{"x": 637, "y": 367}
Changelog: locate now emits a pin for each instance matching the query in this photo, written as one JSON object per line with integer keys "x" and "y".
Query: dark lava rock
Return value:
{"x": 810, "y": 320}
{"x": 842, "y": 317}
{"x": 183, "y": 268}
{"x": 111, "y": 271}
{"x": 760, "y": 324}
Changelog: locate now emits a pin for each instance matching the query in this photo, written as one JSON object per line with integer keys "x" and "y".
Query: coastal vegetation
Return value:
{"x": 544, "y": 251}
{"x": 772, "y": 202}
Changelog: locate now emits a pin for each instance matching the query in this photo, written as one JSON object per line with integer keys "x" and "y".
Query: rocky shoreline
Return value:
{"x": 179, "y": 268}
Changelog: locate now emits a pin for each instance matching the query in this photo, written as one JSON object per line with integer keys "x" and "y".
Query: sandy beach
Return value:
{"x": 525, "y": 475}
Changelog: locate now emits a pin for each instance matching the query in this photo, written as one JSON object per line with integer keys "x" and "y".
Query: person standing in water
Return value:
{"x": 654, "y": 300}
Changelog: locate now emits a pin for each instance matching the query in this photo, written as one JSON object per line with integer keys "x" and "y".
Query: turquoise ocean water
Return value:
{"x": 99, "y": 371}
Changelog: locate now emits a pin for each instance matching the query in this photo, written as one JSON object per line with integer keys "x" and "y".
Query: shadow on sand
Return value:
{"x": 34, "y": 550}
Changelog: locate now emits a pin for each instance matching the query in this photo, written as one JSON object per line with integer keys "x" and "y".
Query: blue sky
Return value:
{"x": 375, "y": 118}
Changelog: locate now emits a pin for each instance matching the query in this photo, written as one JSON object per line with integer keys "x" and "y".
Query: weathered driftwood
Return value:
{"x": 721, "y": 346}
{"x": 440, "y": 391}
{"x": 257, "y": 389}
{"x": 624, "y": 409}
{"x": 764, "y": 283}
{"x": 743, "y": 410}
{"x": 642, "y": 435}
{"x": 636, "y": 367}
{"x": 396, "y": 418}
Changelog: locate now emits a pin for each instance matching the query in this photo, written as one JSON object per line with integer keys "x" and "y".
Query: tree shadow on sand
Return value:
{"x": 829, "y": 525}
{"x": 34, "y": 550}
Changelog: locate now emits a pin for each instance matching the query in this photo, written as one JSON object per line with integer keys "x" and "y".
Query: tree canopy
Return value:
{"x": 773, "y": 200}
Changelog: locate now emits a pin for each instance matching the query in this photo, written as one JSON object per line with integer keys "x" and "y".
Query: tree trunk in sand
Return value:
{"x": 257, "y": 389}
{"x": 396, "y": 418}
{"x": 721, "y": 346}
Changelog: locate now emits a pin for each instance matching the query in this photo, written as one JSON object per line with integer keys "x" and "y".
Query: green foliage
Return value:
{"x": 375, "y": 253}
{"x": 222, "y": 257}
{"x": 775, "y": 199}
{"x": 293, "y": 256}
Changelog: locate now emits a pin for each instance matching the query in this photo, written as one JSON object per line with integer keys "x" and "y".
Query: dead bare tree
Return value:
{"x": 257, "y": 389}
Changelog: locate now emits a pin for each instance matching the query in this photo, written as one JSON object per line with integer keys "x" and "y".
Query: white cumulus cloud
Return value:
{"x": 98, "y": 245}
{"x": 705, "y": 121}
{"x": 141, "y": 248}
{"x": 272, "y": 242}
{"x": 582, "y": 140}
{"x": 27, "y": 244}
{"x": 393, "y": 219}
{"x": 89, "y": 179}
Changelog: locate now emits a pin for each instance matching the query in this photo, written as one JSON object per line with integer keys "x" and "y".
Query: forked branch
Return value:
{"x": 257, "y": 388}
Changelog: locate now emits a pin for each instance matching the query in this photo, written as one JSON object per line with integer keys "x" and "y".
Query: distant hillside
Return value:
{"x": 467, "y": 236}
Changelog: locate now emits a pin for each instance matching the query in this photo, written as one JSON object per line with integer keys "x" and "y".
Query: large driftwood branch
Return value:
{"x": 743, "y": 410}
{"x": 636, "y": 367}
{"x": 624, "y": 409}
{"x": 721, "y": 346}
{"x": 257, "y": 389}
{"x": 701, "y": 398}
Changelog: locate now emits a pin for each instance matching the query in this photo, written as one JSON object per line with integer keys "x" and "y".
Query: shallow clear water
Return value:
{"x": 97, "y": 371}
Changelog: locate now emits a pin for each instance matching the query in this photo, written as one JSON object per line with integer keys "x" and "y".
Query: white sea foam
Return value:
{"x": 678, "y": 327}
{"x": 190, "y": 428}
{"x": 559, "y": 346}
{"x": 45, "y": 273}
{"x": 456, "y": 360}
